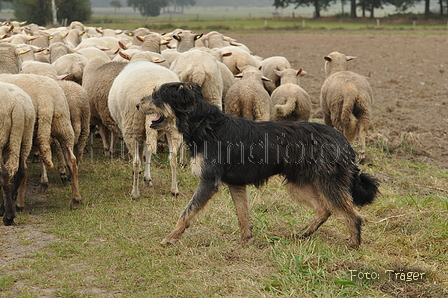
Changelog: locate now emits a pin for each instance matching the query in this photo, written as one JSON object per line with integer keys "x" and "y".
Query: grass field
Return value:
{"x": 110, "y": 246}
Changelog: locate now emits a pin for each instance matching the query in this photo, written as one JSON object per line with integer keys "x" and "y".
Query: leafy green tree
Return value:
{"x": 74, "y": 10}
{"x": 403, "y": 5}
{"x": 181, "y": 4}
{"x": 115, "y": 4}
{"x": 148, "y": 8}
{"x": 39, "y": 11}
{"x": 317, "y": 4}
{"x": 33, "y": 11}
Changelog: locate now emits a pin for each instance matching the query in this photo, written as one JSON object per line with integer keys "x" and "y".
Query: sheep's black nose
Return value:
{"x": 137, "y": 106}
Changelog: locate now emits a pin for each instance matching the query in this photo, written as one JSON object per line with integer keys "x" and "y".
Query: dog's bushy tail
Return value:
{"x": 364, "y": 189}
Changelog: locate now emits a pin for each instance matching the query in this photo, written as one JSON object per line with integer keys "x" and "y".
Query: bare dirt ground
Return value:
{"x": 409, "y": 76}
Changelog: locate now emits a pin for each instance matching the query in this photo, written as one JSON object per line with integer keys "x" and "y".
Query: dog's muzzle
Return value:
{"x": 156, "y": 122}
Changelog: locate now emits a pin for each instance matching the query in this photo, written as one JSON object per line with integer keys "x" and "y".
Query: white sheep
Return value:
{"x": 346, "y": 98}
{"x": 57, "y": 50}
{"x": 99, "y": 74}
{"x": 238, "y": 59}
{"x": 247, "y": 96}
{"x": 52, "y": 121}
{"x": 9, "y": 58}
{"x": 186, "y": 40}
{"x": 17, "y": 119}
{"x": 290, "y": 101}
{"x": 268, "y": 68}
{"x": 125, "y": 93}
{"x": 202, "y": 68}
{"x": 71, "y": 65}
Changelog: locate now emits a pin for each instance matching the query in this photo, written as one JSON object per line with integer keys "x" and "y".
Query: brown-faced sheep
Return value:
{"x": 52, "y": 121}
{"x": 290, "y": 101}
{"x": 346, "y": 98}
{"x": 247, "y": 96}
{"x": 126, "y": 92}
{"x": 17, "y": 119}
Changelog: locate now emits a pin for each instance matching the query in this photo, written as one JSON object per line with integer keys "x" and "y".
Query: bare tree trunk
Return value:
{"x": 427, "y": 11}
{"x": 353, "y": 9}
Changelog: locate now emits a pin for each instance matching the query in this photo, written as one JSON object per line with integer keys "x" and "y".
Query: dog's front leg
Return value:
{"x": 240, "y": 199}
{"x": 203, "y": 193}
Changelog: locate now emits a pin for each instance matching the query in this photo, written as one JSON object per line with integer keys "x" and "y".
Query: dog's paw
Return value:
{"x": 168, "y": 241}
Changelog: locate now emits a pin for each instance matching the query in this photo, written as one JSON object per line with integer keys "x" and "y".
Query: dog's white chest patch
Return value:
{"x": 196, "y": 165}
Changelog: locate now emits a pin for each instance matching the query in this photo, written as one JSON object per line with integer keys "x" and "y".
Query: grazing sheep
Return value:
{"x": 268, "y": 67}
{"x": 291, "y": 102}
{"x": 247, "y": 96}
{"x": 185, "y": 40}
{"x": 9, "y": 58}
{"x": 346, "y": 98}
{"x": 17, "y": 119}
{"x": 126, "y": 92}
{"x": 202, "y": 68}
{"x": 52, "y": 122}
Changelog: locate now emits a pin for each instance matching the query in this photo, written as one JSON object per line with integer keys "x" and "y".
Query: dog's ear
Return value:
{"x": 188, "y": 95}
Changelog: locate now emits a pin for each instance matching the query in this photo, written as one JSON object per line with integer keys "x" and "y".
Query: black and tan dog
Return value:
{"x": 315, "y": 160}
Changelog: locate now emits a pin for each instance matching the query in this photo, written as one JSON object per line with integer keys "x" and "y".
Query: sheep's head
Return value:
{"x": 336, "y": 61}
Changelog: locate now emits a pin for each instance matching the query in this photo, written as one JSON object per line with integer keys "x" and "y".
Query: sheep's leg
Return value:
{"x": 362, "y": 143}
{"x": 20, "y": 184}
{"x": 183, "y": 155}
{"x": 6, "y": 208}
{"x": 44, "y": 183}
{"x": 62, "y": 165}
{"x": 151, "y": 149}
{"x": 104, "y": 133}
{"x": 72, "y": 165}
{"x": 136, "y": 164}
{"x": 174, "y": 141}
{"x": 147, "y": 180}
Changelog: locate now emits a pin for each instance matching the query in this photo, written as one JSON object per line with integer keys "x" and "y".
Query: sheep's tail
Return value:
{"x": 348, "y": 119}
{"x": 364, "y": 189}
{"x": 14, "y": 127}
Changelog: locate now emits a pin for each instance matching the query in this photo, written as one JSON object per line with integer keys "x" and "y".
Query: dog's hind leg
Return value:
{"x": 313, "y": 198}
{"x": 203, "y": 193}
{"x": 353, "y": 220}
{"x": 240, "y": 199}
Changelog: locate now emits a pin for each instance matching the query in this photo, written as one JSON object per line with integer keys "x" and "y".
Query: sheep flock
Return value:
{"x": 60, "y": 85}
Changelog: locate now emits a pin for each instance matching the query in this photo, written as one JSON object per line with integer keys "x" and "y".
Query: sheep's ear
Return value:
{"x": 301, "y": 72}
{"x": 141, "y": 38}
{"x": 350, "y": 58}
{"x": 328, "y": 58}
{"x": 263, "y": 78}
{"x": 240, "y": 75}
{"x": 164, "y": 42}
{"x": 237, "y": 68}
{"x": 124, "y": 56}
{"x": 260, "y": 67}
{"x": 226, "y": 54}
{"x": 157, "y": 60}
{"x": 99, "y": 30}
{"x": 122, "y": 45}
{"x": 278, "y": 72}
{"x": 198, "y": 36}
{"x": 177, "y": 37}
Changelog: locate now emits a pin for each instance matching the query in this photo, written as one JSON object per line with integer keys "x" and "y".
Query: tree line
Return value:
{"x": 43, "y": 12}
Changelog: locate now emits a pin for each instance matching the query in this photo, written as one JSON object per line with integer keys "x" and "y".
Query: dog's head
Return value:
{"x": 171, "y": 101}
